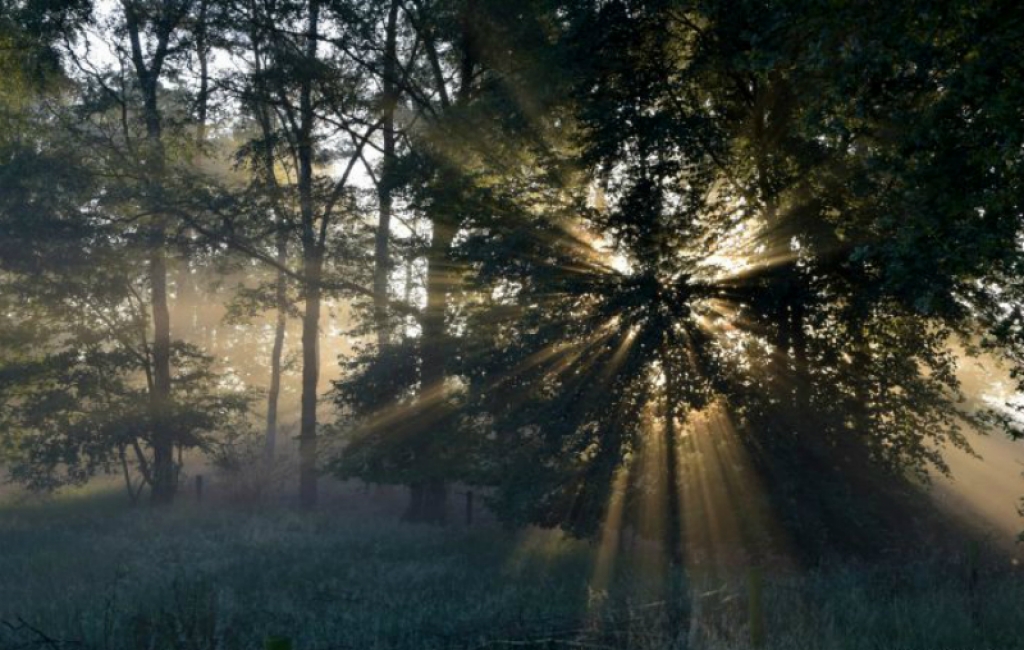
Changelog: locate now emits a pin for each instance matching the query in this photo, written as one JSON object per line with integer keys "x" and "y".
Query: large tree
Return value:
{"x": 97, "y": 384}
{"x": 751, "y": 209}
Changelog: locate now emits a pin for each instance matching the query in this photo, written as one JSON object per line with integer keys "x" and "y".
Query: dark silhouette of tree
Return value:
{"x": 805, "y": 207}
{"x": 705, "y": 263}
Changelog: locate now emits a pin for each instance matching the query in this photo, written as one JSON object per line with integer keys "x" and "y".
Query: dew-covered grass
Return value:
{"x": 87, "y": 571}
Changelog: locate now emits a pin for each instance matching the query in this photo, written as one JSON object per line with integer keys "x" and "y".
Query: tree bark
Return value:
{"x": 202, "y": 52}
{"x": 428, "y": 498}
{"x": 312, "y": 270}
{"x": 310, "y": 378}
{"x": 428, "y": 502}
{"x": 269, "y": 162}
{"x": 164, "y": 475}
{"x": 382, "y": 261}
{"x": 276, "y": 354}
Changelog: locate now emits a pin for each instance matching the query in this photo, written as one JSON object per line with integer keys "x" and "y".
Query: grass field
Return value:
{"x": 85, "y": 571}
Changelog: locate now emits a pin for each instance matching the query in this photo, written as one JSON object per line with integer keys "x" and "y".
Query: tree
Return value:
{"x": 90, "y": 225}
{"x": 302, "y": 75}
{"x": 451, "y": 82}
{"x": 158, "y": 25}
{"x": 788, "y": 250}
{"x": 652, "y": 248}
{"x": 719, "y": 128}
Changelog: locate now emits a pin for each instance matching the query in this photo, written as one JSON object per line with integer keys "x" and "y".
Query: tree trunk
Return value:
{"x": 310, "y": 378}
{"x": 202, "y": 53}
{"x": 428, "y": 498}
{"x": 183, "y": 322}
{"x": 382, "y": 261}
{"x": 312, "y": 260}
{"x": 164, "y": 482}
{"x": 263, "y": 116}
{"x": 414, "y": 510}
{"x": 273, "y": 395}
{"x": 428, "y": 503}
{"x": 164, "y": 475}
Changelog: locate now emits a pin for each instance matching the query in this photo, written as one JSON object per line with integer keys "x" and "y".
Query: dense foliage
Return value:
{"x": 604, "y": 252}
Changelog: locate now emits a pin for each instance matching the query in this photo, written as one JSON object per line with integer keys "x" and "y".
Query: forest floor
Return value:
{"x": 86, "y": 571}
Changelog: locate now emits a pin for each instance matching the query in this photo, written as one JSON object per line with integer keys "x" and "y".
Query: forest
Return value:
{"x": 511, "y": 323}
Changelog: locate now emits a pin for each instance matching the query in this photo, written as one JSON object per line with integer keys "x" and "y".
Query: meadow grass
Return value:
{"x": 86, "y": 571}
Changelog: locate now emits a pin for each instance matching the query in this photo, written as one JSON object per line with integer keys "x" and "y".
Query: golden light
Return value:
{"x": 725, "y": 519}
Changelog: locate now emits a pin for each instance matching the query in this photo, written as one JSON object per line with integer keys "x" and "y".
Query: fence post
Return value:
{"x": 199, "y": 488}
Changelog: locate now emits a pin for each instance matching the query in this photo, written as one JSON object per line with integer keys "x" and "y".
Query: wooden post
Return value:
{"x": 199, "y": 488}
{"x": 469, "y": 508}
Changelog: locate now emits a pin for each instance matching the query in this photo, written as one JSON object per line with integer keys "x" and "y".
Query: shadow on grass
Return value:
{"x": 88, "y": 571}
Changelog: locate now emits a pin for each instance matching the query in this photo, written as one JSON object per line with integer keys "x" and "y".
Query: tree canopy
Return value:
{"x": 663, "y": 257}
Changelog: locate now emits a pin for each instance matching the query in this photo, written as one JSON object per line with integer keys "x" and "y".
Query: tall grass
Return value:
{"x": 87, "y": 572}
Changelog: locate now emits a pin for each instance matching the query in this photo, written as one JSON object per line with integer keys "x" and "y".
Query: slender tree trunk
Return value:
{"x": 428, "y": 498}
{"x": 428, "y": 502}
{"x": 269, "y": 161}
{"x": 310, "y": 378}
{"x": 164, "y": 475}
{"x": 274, "y": 394}
{"x": 183, "y": 321}
{"x": 407, "y": 293}
{"x": 164, "y": 484}
{"x": 312, "y": 271}
{"x": 382, "y": 261}
{"x": 413, "y": 511}
{"x": 203, "y": 53}
{"x": 185, "y": 310}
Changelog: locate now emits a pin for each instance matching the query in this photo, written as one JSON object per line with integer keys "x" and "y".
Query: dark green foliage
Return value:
{"x": 83, "y": 409}
{"x": 77, "y": 363}
{"x": 838, "y": 182}
{"x": 620, "y": 214}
